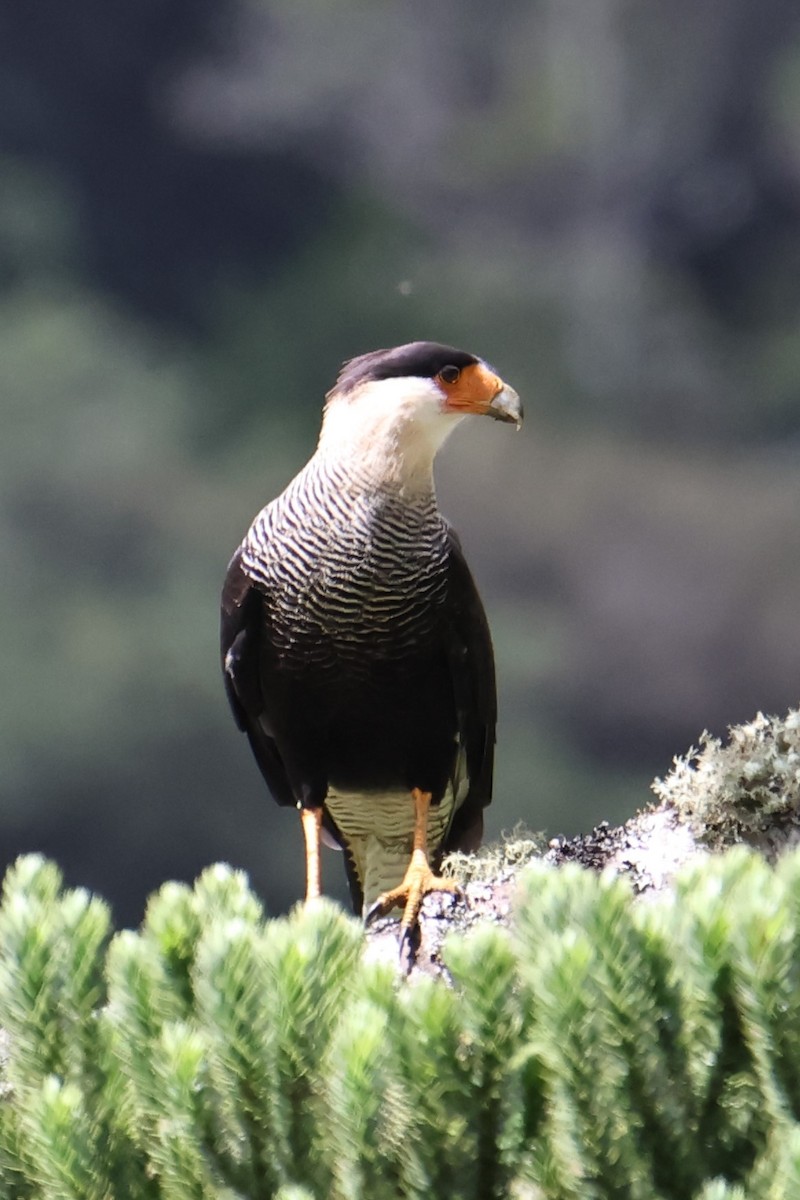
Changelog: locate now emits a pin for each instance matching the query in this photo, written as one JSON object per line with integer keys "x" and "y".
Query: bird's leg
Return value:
{"x": 311, "y": 819}
{"x": 419, "y": 879}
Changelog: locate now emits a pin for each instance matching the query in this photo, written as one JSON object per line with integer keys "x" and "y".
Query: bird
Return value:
{"x": 355, "y": 648}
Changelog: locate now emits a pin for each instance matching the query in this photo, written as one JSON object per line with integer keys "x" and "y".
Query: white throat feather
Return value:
{"x": 389, "y": 429}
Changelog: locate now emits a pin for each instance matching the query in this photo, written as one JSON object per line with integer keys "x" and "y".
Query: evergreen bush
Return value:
{"x": 604, "y": 1047}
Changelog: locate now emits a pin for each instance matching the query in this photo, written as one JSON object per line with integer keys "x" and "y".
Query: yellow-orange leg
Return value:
{"x": 311, "y": 819}
{"x": 418, "y": 880}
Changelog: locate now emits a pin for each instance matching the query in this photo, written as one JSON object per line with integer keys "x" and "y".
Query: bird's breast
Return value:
{"x": 348, "y": 574}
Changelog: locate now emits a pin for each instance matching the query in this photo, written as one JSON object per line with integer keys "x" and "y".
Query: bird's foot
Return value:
{"x": 418, "y": 881}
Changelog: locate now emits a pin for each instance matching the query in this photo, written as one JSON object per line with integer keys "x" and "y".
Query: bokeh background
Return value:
{"x": 205, "y": 205}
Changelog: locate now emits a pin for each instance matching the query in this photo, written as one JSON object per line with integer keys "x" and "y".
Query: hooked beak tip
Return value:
{"x": 506, "y": 406}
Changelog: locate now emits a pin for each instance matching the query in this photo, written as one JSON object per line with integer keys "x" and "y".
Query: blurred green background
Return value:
{"x": 205, "y": 207}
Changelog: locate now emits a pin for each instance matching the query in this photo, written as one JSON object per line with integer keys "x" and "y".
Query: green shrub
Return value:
{"x": 605, "y": 1047}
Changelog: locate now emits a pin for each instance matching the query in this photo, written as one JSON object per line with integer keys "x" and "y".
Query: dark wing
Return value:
{"x": 243, "y": 628}
{"x": 469, "y": 652}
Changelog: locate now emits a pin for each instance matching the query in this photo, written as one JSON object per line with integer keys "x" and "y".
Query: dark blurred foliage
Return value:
{"x": 162, "y": 219}
{"x": 206, "y": 207}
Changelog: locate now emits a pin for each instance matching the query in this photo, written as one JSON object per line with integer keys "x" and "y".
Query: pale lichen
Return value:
{"x": 746, "y": 790}
{"x": 497, "y": 859}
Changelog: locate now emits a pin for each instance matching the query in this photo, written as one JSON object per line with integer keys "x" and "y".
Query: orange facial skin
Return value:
{"x": 473, "y": 390}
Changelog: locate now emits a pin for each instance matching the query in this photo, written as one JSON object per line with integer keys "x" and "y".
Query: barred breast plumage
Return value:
{"x": 348, "y": 572}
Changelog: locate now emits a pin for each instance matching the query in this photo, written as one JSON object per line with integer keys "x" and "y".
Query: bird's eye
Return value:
{"x": 449, "y": 374}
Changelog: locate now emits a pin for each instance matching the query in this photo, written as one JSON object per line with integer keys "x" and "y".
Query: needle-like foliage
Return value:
{"x": 602, "y": 1048}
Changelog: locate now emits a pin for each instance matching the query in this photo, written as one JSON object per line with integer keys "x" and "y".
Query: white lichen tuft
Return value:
{"x": 497, "y": 859}
{"x": 745, "y": 790}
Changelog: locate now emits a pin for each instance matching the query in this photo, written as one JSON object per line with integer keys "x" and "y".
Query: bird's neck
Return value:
{"x": 386, "y": 452}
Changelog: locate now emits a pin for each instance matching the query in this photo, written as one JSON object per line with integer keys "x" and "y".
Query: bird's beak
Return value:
{"x": 506, "y": 406}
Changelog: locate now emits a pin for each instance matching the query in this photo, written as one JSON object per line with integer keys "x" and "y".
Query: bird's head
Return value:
{"x": 392, "y": 409}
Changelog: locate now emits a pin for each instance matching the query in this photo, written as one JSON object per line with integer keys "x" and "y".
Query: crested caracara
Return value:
{"x": 355, "y": 648}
